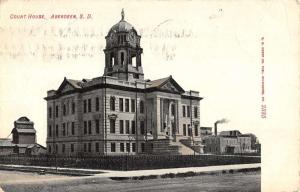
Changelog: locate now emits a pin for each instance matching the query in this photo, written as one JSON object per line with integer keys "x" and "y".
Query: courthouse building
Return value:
{"x": 121, "y": 112}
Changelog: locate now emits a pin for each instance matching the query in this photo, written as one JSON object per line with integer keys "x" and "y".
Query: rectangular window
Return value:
{"x": 143, "y": 147}
{"x": 121, "y": 107}
{"x": 142, "y": 127}
{"x": 112, "y": 125}
{"x": 90, "y": 127}
{"x": 141, "y": 106}
{"x": 113, "y": 147}
{"x": 133, "y": 147}
{"x": 128, "y": 147}
{"x": 63, "y": 148}
{"x": 85, "y": 127}
{"x": 127, "y": 126}
{"x": 122, "y": 147}
{"x": 50, "y": 131}
{"x": 72, "y": 147}
{"x": 64, "y": 110}
{"x": 183, "y": 110}
{"x": 56, "y": 130}
{"x": 133, "y": 127}
{"x": 97, "y": 104}
{"x": 132, "y": 105}
{"x": 73, "y": 107}
{"x": 196, "y": 130}
{"x": 126, "y": 105}
{"x": 97, "y": 124}
{"x": 184, "y": 129}
{"x": 97, "y": 146}
{"x": 121, "y": 124}
{"x": 50, "y": 112}
{"x": 89, "y": 105}
{"x": 189, "y": 130}
{"x": 56, "y": 111}
{"x": 84, "y": 106}
{"x": 188, "y": 111}
{"x": 195, "y": 111}
{"x": 84, "y": 147}
{"x": 64, "y": 129}
{"x": 90, "y": 147}
{"x": 73, "y": 128}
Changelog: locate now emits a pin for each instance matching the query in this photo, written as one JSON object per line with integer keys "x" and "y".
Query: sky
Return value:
{"x": 212, "y": 47}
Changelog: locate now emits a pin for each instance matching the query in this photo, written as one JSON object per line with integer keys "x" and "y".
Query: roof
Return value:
{"x": 6, "y": 143}
{"x": 121, "y": 26}
{"x": 159, "y": 83}
{"x": 23, "y": 120}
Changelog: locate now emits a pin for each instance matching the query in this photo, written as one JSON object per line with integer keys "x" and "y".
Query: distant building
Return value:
{"x": 205, "y": 131}
{"x": 227, "y": 142}
{"x": 23, "y": 139}
{"x": 121, "y": 112}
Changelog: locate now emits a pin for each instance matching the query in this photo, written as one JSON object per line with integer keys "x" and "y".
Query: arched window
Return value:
{"x": 141, "y": 106}
{"x": 112, "y": 103}
{"x": 122, "y": 58}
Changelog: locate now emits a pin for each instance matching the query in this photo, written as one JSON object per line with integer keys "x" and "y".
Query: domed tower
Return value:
{"x": 123, "y": 52}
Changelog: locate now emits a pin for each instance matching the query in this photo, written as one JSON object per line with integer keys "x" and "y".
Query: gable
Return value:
{"x": 66, "y": 88}
{"x": 169, "y": 87}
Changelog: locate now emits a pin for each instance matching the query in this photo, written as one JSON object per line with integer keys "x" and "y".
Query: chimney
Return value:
{"x": 216, "y": 128}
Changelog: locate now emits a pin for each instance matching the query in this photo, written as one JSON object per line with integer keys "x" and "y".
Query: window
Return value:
{"x": 73, "y": 107}
{"x": 63, "y": 148}
{"x": 133, "y": 127}
{"x": 127, "y": 126}
{"x": 184, "y": 129}
{"x": 90, "y": 147}
{"x": 195, "y": 111}
{"x": 84, "y": 147}
{"x": 188, "y": 111}
{"x": 141, "y": 106}
{"x": 173, "y": 110}
{"x": 113, "y": 147}
{"x": 85, "y": 127}
{"x": 142, "y": 127}
{"x": 50, "y": 131}
{"x": 97, "y": 124}
{"x": 64, "y": 110}
{"x": 56, "y": 111}
{"x": 50, "y": 112}
{"x": 64, "y": 129}
{"x": 112, "y": 103}
{"x": 49, "y": 148}
{"x": 196, "y": 130}
{"x": 127, "y": 105}
{"x": 73, "y": 128}
{"x": 56, "y": 148}
{"x": 97, "y": 104}
{"x": 97, "y": 146}
{"x": 121, "y": 123}
{"x": 72, "y": 147}
{"x": 122, "y": 58}
{"x": 128, "y": 147}
{"x": 56, "y": 130}
{"x": 143, "y": 147}
{"x": 112, "y": 126}
{"x": 132, "y": 105}
{"x": 189, "y": 130}
{"x": 121, "y": 108}
{"x": 122, "y": 147}
{"x": 183, "y": 110}
{"x": 90, "y": 127}
{"x": 84, "y": 106}
{"x": 89, "y": 105}
{"x": 133, "y": 147}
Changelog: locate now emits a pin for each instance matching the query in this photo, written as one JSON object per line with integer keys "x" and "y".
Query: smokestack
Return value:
{"x": 216, "y": 125}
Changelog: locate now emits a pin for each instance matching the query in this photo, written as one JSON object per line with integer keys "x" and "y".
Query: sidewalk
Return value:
{"x": 98, "y": 174}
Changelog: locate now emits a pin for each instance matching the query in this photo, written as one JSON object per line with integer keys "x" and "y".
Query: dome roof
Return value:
{"x": 122, "y": 26}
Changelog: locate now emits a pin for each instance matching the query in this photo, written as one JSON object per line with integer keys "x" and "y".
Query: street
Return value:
{"x": 236, "y": 182}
